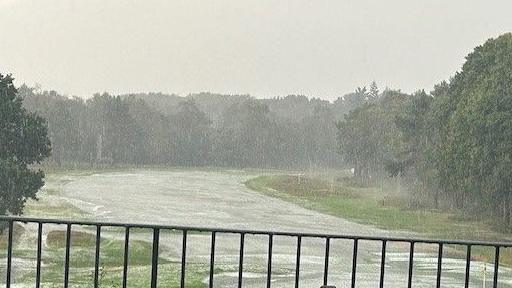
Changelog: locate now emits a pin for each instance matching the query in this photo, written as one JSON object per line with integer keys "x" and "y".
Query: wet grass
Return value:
{"x": 372, "y": 207}
{"x": 82, "y": 257}
{"x": 53, "y": 210}
{"x": 49, "y": 203}
{"x": 138, "y": 276}
{"x": 18, "y": 231}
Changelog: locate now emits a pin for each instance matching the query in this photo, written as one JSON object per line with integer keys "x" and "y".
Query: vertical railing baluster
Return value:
{"x": 468, "y": 266}
{"x": 212, "y": 259}
{"x": 183, "y": 258}
{"x": 411, "y": 265}
{"x": 154, "y": 258}
{"x": 297, "y": 262}
{"x": 39, "y": 253}
{"x": 66, "y": 262}
{"x": 97, "y": 257}
{"x": 496, "y": 266}
{"x": 126, "y": 255}
{"x": 354, "y": 262}
{"x": 269, "y": 261}
{"x": 382, "y": 263}
{"x": 326, "y": 263}
{"x": 439, "y": 265}
{"x": 9, "y": 254}
{"x": 241, "y": 260}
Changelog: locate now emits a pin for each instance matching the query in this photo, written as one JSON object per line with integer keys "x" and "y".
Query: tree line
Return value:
{"x": 202, "y": 129}
{"x": 450, "y": 148}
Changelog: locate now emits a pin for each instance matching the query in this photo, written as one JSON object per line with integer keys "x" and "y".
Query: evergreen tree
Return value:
{"x": 23, "y": 141}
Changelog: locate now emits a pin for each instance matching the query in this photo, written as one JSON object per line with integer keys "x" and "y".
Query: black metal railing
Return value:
{"x": 156, "y": 229}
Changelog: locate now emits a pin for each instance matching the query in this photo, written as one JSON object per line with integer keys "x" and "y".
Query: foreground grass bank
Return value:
{"x": 82, "y": 262}
{"x": 370, "y": 206}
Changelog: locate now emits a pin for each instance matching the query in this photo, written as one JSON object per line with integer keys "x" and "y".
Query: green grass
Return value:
{"x": 82, "y": 259}
{"x": 371, "y": 206}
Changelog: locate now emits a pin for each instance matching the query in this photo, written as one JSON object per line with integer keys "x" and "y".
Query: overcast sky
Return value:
{"x": 263, "y": 48}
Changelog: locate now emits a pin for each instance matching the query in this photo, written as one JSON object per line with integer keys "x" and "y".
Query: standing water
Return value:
{"x": 219, "y": 199}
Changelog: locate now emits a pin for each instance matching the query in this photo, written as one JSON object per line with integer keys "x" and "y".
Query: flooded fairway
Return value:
{"x": 196, "y": 198}
{"x": 219, "y": 199}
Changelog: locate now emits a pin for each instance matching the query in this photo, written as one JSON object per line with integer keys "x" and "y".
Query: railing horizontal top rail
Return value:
{"x": 255, "y": 232}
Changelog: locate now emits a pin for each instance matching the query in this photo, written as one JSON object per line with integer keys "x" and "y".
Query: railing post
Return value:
{"x": 183, "y": 258}
{"x": 297, "y": 262}
{"x": 154, "y": 260}
{"x": 411, "y": 265}
{"x": 269, "y": 260}
{"x": 97, "y": 257}
{"x": 496, "y": 266}
{"x": 439, "y": 265}
{"x": 126, "y": 255}
{"x": 68, "y": 251}
{"x": 354, "y": 263}
{"x": 326, "y": 263}
{"x": 468, "y": 266}
{"x": 212, "y": 259}
{"x": 9, "y": 254}
{"x": 241, "y": 260}
{"x": 39, "y": 253}
{"x": 382, "y": 263}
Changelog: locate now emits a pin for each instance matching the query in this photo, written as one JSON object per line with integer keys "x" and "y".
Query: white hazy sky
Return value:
{"x": 261, "y": 47}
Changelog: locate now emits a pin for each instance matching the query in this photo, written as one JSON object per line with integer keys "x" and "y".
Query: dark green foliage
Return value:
{"x": 455, "y": 145}
{"x": 23, "y": 141}
{"x": 474, "y": 122}
{"x": 368, "y": 136}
